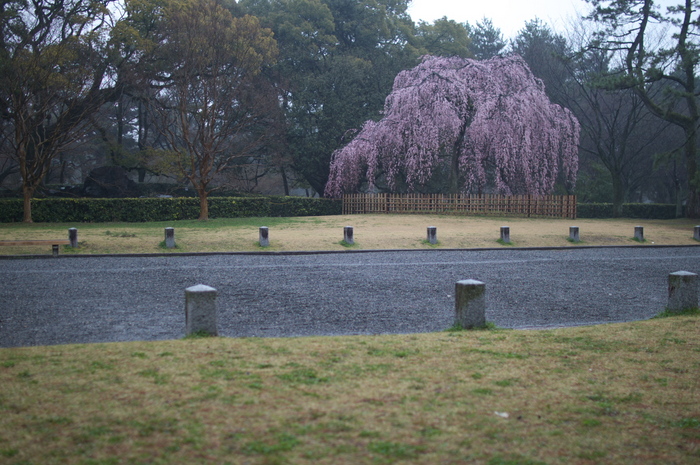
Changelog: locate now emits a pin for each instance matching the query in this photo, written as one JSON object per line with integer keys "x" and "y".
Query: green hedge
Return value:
{"x": 651, "y": 211}
{"x": 85, "y": 210}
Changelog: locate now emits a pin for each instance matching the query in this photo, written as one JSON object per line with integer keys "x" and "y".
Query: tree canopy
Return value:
{"x": 649, "y": 64}
{"x": 209, "y": 98}
{"x": 55, "y": 73}
{"x": 487, "y": 124}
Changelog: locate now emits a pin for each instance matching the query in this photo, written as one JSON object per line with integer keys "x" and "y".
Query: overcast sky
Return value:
{"x": 508, "y": 15}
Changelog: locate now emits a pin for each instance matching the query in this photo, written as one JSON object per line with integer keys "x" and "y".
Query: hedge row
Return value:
{"x": 84, "y": 210}
{"x": 651, "y": 211}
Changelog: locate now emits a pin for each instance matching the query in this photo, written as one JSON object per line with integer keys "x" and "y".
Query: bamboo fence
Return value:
{"x": 551, "y": 206}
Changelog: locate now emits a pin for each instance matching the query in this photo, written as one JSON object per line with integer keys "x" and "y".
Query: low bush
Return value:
{"x": 85, "y": 210}
{"x": 652, "y": 211}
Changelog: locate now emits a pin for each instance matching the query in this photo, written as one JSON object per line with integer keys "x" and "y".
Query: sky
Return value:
{"x": 508, "y": 15}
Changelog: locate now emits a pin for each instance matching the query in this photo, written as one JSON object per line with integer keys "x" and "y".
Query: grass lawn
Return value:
{"x": 326, "y": 233}
{"x": 621, "y": 393}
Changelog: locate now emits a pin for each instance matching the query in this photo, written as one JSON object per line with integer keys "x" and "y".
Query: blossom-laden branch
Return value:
{"x": 489, "y": 122}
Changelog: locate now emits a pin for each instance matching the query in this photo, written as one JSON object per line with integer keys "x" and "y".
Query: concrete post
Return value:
{"x": 432, "y": 234}
{"x": 574, "y": 234}
{"x": 696, "y": 233}
{"x": 264, "y": 236}
{"x": 470, "y": 304}
{"x": 73, "y": 237}
{"x": 200, "y": 310}
{"x": 170, "y": 238}
{"x": 505, "y": 234}
{"x": 54, "y": 249}
{"x": 639, "y": 233}
{"x": 682, "y": 291}
{"x": 348, "y": 235}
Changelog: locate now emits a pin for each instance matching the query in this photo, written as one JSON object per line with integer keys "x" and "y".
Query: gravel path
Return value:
{"x": 105, "y": 299}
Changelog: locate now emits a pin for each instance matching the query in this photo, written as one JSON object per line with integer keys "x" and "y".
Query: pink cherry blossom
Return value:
{"x": 489, "y": 122}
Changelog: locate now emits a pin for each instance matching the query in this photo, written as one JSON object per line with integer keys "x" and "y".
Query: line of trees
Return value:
{"x": 217, "y": 91}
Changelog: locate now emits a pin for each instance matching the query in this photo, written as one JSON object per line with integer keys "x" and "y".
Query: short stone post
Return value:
{"x": 73, "y": 237}
{"x": 200, "y": 310}
{"x": 264, "y": 236}
{"x": 170, "y": 238}
{"x": 639, "y": 233}
{"x": 470, "y": 304}
{"x": 54, "y": 249}
{"x": 696, "y": 233}
{"x": 348, "y": 235}
{"x": 505, "y": 234}
{"x": 682, "y": 291}
{"x": 574, "y": 234}
{"x": 432, "y": 234}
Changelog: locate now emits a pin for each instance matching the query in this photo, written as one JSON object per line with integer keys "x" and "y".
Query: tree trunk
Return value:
{"x": 618, "y": 195}
{"x": 693, "y": 205}
{"x": 62, "y": 173}
{"x": 679, "y": 199}
{"x": 203, "y": 204}
{"x": 454, "y": 161}
{"x": 285, "y": 183}
{"x": 27, "y": 194}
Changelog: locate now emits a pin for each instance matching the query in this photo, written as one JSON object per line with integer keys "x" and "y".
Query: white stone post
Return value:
{"x": 574, "y": 234}
{"x": 432, "y": 234}
{"x": 200, "y": 310}
{"x": 170, "y": 238}
{"x": 505, "y": 234}
{"x": 73, "y": 237}
{"x": 639, "y": 233}
{"x": 264, "y": 236}
{"x": 682, "y": 291}
{"x": 348, "y": 235}
{"x": 470, "y": 304}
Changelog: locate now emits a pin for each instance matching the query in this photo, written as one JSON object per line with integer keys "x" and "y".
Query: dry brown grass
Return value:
{"x": 623, "y": 393}
{"x": 326, "y": 233}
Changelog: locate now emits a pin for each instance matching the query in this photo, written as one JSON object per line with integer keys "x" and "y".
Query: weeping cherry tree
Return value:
{"x": 488, "y": 124}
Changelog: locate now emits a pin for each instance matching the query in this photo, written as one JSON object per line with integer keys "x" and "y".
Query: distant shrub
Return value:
{"x": 86, "y": 210}
{"x": 652, "y": 211}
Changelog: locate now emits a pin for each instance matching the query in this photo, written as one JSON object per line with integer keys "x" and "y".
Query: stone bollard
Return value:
{"x": 696, "y": 233}
{"x": 574, "y": 234}
{"x": 470, "y": 304}
{"x": 54, "y": 250}
{"x": 264, "y": 236}
{"x": 170, "y": 238}
{"x": 432, "y": 234}
{"x": 73, "y": 237}
{"x": 682, "y": 291}
{"x": 505, "y": 234}
{"x": 348, "y": 235}
{"x": 200, "y": 310}
{"x": 639, "y": 233}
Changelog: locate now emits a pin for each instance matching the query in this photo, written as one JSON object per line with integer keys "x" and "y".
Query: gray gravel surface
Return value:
{"x": 105, "y": 299}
